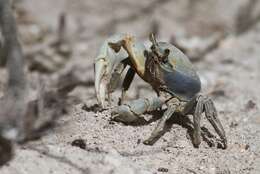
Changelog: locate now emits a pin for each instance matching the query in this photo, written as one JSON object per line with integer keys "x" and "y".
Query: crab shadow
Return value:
{"x": 93, "y": 108}
{"x": 182, "y": 120}
{"x": 177, "y": 118}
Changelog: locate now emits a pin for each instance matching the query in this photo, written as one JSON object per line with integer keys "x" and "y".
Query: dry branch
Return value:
{"x": 12, "y": 104}
{"x": 20, "y": 118}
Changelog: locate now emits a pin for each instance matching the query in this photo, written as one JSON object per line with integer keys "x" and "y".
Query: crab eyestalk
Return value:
{"x": 155, "y": 46}
{"x": 158, "y": 52}
{"x": 153, "y": 39}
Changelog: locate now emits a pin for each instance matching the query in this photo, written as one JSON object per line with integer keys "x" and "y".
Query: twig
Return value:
{"x": 61, "y": 159}
{"x": 13, "y": 104}
{"x": 244, "y": 20}
{"x": 149, "y": 9}
{"x": 196, "y": 54}
{"x": 14, "y": 56}
{"x": 62, "y": 28}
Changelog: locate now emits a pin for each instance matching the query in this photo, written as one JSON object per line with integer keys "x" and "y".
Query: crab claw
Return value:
{"x": 108, "y": 68}
{"x": 100, "y": 81}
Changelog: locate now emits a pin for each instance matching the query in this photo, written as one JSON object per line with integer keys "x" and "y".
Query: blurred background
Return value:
{"x": 60, "y": 40}
{"x": 64, "y": 35}
{"x": 197, "y": 27}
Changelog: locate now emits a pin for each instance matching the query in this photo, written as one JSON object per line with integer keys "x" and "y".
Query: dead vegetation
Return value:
{"x": 22, "y": 118}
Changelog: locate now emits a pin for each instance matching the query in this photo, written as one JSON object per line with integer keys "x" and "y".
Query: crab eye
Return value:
{"x": 146, "y": 53}
{"x": 165, "y": 55}
{"x": 153, "y": 47}
{"x": 166, "y": 52}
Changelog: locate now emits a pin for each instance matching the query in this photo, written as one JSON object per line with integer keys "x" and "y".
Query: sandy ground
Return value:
{"x": 230, "y": 73}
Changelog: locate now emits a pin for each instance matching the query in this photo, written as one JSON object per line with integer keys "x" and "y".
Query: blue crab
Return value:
{"x": 167, "y": 70}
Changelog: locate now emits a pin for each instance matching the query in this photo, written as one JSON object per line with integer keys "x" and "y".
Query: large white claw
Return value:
{"x": 101, "y": 81}
{"x": 106, "y": 63}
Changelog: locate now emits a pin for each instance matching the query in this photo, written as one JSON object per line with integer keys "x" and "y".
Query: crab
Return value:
{"x": 169, "y": 72}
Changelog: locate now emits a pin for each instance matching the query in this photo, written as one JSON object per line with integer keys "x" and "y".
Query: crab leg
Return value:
{"x": 126, "y": 84}
{"x": 196, "y": 122}
{"x": 196, "y": 106}
{"x": 158, "y": 131}
{"x": 130, "y": 112}
{"x": 211, "y": 115}
{"x": 115, "y": 79}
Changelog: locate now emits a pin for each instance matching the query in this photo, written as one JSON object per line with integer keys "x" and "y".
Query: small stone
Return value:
{"x": 250, "y": 105}
{"x": 233, "y": 125}
{"x": 162, "y": 169}
{"x": 247, "y": 146}
{"x": 79, "y": 143}
{"x": 111, "y": 122}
